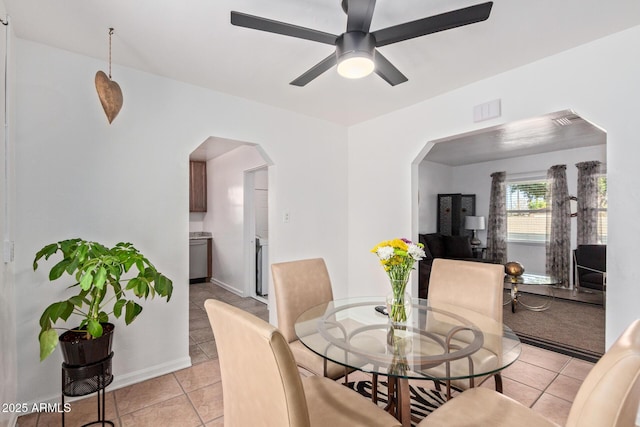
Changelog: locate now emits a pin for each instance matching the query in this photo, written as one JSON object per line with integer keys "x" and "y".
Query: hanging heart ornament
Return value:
{"x": 110, "y": 95}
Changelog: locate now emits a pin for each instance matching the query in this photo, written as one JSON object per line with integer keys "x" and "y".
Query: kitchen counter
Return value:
{"x": 199, "y": 235}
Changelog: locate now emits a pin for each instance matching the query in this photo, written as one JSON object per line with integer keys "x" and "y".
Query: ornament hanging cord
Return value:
{"x": 110, "y": 34}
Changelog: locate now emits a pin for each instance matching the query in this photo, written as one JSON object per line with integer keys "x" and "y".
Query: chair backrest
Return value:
{"x": 474, "y": 286}
{"x": 260, "y": 379}
{"x": 592, "y": 256}
{"x": 299, "y": 285}
{"x": 610, "y": 394}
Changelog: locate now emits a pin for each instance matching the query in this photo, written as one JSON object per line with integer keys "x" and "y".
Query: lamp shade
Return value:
{"x": 474, "y": 222}
{"x": 355, "y": 66}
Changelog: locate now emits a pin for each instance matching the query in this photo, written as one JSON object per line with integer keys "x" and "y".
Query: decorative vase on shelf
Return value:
{"x": 399, "y": 301}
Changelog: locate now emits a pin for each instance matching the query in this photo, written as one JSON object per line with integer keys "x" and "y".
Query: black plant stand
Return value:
{"x": 83, "y": 380}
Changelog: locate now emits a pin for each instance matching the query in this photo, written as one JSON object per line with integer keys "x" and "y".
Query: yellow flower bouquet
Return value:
{"x": 397, "y": 257}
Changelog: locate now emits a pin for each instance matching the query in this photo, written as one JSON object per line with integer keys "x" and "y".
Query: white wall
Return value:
{"x": 76, "y": 175}
{"x": 261, "y": 202}
{"x": 476, "y": 179}
{"x": 433, "y": 179}
{"x": 594, "y": 79}
{"x": 225, "y": 214}
{"x": 196, "y": 221}
{"x": 8, "y": 351}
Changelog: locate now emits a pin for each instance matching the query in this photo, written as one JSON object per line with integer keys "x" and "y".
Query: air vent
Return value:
{"x": 562, "y": 121}
{"x": 567, "y": 120}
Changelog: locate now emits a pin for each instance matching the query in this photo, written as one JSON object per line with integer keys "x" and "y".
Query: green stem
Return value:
{"x": 398, "y": 311}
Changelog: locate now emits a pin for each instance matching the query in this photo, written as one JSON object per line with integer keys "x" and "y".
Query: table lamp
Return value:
{"x": 474, "y": 223}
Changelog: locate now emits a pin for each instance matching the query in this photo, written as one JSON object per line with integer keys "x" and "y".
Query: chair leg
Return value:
{"x": 374, "y": 389}
{"x": 576, "y": 274}
{"x": 498, "y": 379}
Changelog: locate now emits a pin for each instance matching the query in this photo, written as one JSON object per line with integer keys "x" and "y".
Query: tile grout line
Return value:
{"x": 552, "y": 381}
{"x": 115, "y": 404}
{"x": 188, "y": 398}
{"x": 543, "y": 391}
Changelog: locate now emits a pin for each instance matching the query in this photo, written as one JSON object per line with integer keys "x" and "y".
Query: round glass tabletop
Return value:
{"x": 442, "y": 343}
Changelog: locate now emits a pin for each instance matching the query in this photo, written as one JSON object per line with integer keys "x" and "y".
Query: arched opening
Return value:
{"x": 525, "y": 150}
{"x": 235, "y": 192}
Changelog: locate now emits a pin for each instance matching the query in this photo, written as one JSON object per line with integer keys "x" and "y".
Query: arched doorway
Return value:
{"x": 525, "y": 150}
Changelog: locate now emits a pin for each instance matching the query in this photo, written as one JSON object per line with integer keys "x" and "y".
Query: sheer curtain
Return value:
{"x": 588, "y": 174}
{"x": 497, "y": 222}
{"x": 558, "y": 240}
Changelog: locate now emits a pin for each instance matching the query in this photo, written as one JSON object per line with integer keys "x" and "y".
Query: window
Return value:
{"x": 602, "y": 210}
{"x": 527, "y": 210}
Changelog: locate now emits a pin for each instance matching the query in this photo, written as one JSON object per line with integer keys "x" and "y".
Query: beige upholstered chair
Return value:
{"x": 263, "y": 387}
{"x": 471, "y": 288}
{"x": 608, "y": 397}
{"x": 300, "y": 285}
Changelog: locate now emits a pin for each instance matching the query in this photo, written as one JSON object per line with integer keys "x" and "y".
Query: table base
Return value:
{"x": 399, "y": 396}
{"x": 515, "y": 300}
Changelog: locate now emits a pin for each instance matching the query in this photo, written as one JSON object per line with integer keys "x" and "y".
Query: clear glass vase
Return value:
{"x": 399, "y": 302}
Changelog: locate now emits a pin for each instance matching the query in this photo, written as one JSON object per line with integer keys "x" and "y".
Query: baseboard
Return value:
{"x": 227, "y": 287}
{"x": 120, "y": 381}
{"x": 578, "y": 353}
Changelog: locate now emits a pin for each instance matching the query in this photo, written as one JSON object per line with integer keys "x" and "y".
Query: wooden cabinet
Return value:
{"x": 197, "y": 186}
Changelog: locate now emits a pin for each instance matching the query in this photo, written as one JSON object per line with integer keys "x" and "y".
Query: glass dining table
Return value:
{"x": 444, "y": 343}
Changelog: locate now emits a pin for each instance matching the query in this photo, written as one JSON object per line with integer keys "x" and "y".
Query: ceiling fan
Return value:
{"x": 356, "y": 54}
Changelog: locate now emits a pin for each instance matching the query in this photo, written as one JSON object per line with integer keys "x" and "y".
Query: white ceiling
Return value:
{"x": 213, "y": 147}
{"x": 194, "y": 42}
{"x": 562, "y": 130}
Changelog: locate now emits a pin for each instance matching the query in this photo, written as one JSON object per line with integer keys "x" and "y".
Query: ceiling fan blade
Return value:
{"x": 388, "y": 71}
{"x": 316, "y": 70}
{"x": 360, "y": 14}
{"x": 433, "y": 24}
{"x": 258, "y": 23}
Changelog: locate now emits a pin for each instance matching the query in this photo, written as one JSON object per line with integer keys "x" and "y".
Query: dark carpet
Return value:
{"x": 568, "y": 327}
{"x": 423, "y": 400}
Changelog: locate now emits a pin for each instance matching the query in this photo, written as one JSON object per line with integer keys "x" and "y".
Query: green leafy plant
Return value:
{"x": 100, "y": 288}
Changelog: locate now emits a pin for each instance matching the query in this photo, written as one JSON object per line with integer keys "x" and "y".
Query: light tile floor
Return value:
{"x": 541, "y": 379}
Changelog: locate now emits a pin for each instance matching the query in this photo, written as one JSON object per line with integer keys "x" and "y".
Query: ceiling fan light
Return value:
{"x": 355, "y": 65}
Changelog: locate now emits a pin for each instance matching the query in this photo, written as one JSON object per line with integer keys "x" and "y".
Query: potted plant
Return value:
{"x": 102, "y": 288}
